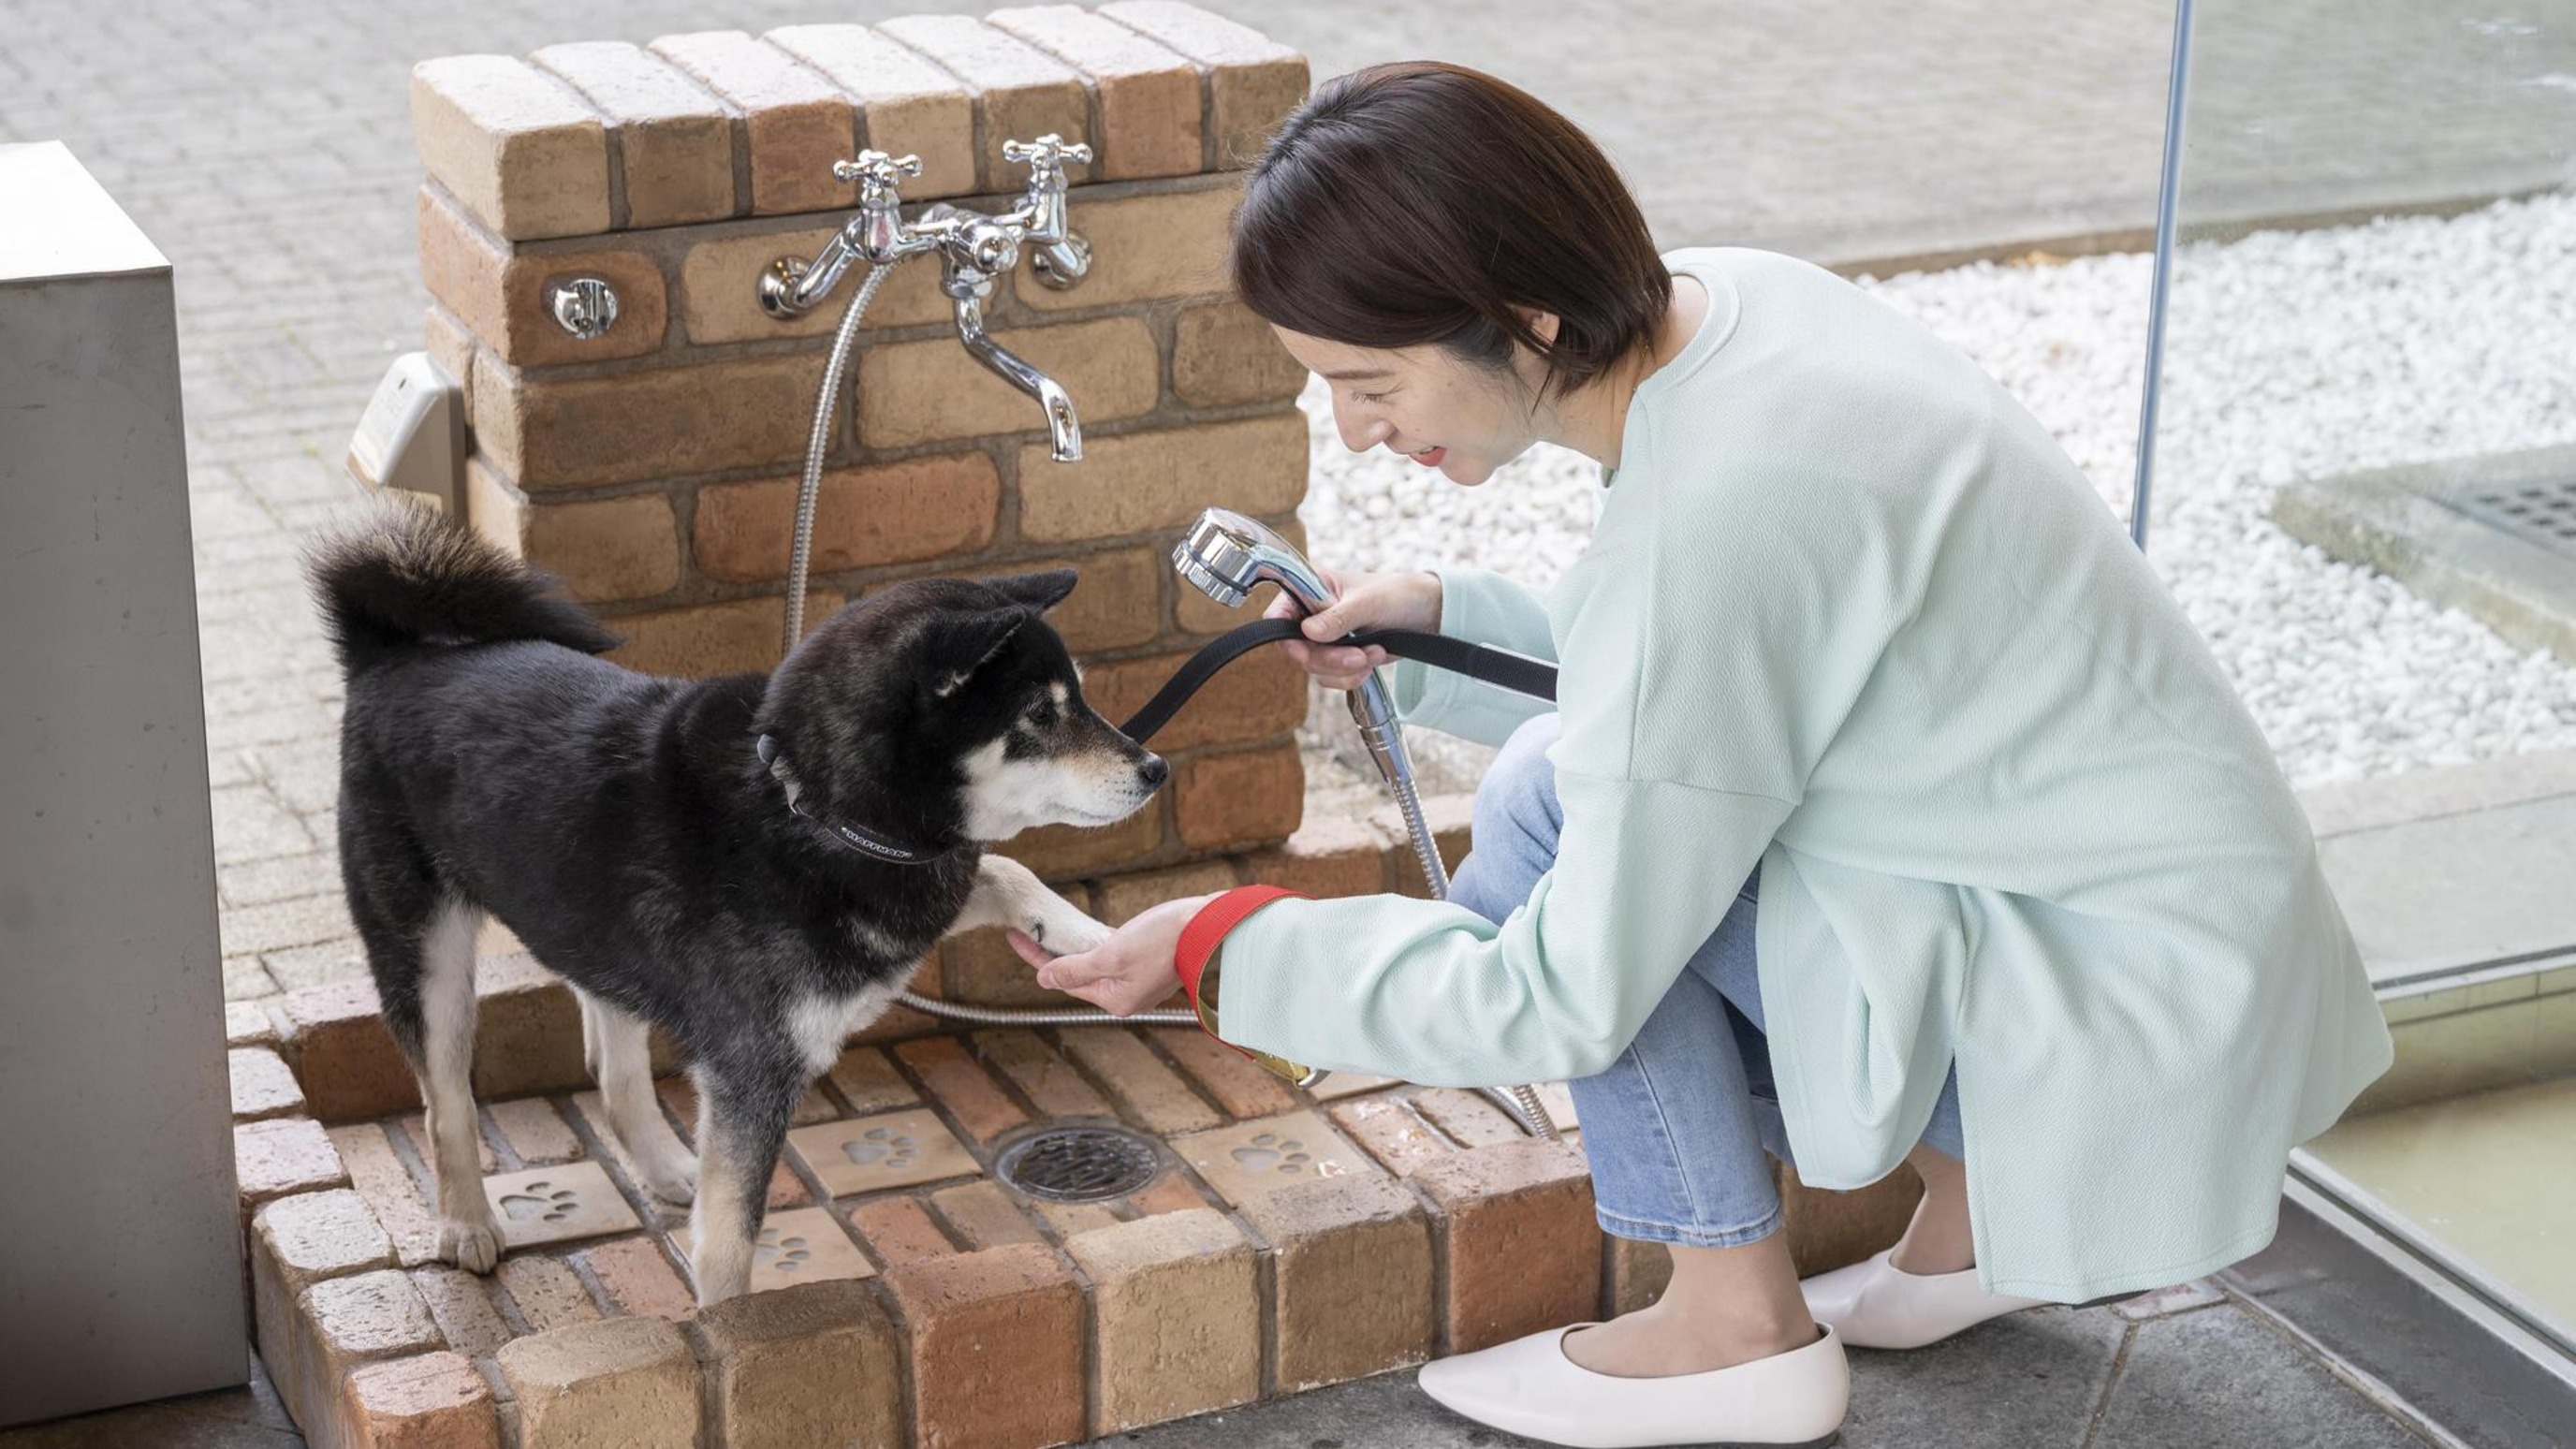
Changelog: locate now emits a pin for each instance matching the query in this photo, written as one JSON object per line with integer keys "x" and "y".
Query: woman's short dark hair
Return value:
{"x": 1420, "y": 202}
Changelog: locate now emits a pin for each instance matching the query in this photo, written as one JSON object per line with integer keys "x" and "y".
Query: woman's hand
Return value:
{"x": 1127, "y": 973}
{"x": 1362, "y": 601}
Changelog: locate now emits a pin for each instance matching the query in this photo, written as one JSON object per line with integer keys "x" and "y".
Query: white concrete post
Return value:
{"x": 120, "y": 1251}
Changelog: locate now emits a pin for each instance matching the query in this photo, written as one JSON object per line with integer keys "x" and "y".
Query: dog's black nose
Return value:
{"x": 1155, "y": 770}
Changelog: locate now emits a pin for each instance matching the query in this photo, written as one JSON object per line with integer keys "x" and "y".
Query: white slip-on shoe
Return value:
{"x": 1875, "y": 1304}
{"x": 1529, "y": 1387}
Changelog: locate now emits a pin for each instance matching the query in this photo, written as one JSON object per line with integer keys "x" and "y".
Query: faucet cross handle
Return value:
{"x": 877, "y": 173}
{"x": 1046, "y": 156}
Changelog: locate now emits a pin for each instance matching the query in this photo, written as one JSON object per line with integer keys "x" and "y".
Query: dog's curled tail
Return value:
{"x": 405, "y": 576}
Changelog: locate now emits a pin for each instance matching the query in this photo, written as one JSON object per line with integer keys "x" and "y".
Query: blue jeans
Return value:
{"x": 1676, "y": 1129}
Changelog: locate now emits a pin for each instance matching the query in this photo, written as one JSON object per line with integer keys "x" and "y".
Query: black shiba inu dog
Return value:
{"x": 753, "y": 864}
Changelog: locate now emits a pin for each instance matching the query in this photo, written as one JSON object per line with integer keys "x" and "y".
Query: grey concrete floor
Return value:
{"x": 249, "y": 1417}
{"x": 266, "y": 149}
{"x": 2188, "y": 1370}
{"x": 2206, "y": 1374}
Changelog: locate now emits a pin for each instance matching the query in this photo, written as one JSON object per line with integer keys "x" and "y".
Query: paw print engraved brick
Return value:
{"x": 557, "y": 1204}
{"x": 871, "y": 1154}
{"x": 802, "y": 1245}
{"x": 1270, "y": 1153}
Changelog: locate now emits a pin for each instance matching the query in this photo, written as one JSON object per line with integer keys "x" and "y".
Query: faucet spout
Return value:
{"x": 1064, "y": 429}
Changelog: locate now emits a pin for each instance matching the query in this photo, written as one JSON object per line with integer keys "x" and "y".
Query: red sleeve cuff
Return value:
{"x": 1206, "y": 930}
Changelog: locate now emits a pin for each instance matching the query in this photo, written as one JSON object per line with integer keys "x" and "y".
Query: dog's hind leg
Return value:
{"x": 742, "y": 1125}
{"x": 589, "y": 1032}
{"x": 624, "y": 1067}
{"x": 468, "y": 1235}
{"x": 420, "y": 950}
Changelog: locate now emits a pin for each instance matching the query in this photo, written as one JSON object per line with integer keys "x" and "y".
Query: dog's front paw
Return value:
{"x": 474, "y": 1247}
{"x": 1067, "y": 933}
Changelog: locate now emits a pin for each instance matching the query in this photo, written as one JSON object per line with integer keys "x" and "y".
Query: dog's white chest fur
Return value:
{"x": 820, "y": 1025}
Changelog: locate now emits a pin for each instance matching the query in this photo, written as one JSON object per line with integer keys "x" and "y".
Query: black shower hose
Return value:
{"x": 1517, "y": 672}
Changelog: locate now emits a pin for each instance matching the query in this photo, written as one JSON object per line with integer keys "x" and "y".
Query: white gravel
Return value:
{"x": 2288, "y": 354}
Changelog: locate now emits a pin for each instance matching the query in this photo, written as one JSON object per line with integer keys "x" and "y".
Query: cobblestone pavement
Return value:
{"x": 268, "y": 151}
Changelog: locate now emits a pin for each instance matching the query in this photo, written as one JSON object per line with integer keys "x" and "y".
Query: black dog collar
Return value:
{"x": 881, "y": 847}
{"x": 1517, "y": 672}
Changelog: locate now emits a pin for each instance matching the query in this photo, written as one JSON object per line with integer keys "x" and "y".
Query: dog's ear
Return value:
{"x": 951, "y": 649}
{"x": 1041, "y": 591}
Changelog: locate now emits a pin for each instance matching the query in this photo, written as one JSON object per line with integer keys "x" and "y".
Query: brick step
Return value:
{"x": 323, "y": 1051}
{"x": 905, "y": 1294}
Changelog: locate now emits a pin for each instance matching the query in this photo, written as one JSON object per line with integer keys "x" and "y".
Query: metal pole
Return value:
{"x": 2166, "y": 192}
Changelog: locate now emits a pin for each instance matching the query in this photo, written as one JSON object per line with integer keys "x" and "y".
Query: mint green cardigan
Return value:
{"x": 1851, "y": 616}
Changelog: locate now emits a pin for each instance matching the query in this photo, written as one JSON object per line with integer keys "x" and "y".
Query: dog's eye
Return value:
{"x": 1042, "y": 714}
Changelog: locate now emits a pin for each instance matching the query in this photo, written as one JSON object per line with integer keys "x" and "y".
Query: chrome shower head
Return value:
{"x": 1227, "y": 555}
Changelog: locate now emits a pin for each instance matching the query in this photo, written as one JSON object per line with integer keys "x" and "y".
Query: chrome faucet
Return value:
{"x": 1226, "y": 555}
{"x": 974, "y": 250}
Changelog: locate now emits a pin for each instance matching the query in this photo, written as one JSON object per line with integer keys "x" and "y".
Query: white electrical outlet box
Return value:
{"x": 412, "y": 436}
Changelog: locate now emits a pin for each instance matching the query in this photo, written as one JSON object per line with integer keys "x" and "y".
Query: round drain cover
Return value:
{"x": 1080, "y": 1164}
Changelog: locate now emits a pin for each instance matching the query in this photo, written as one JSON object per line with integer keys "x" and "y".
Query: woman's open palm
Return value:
{"x": 1127, "y": 973}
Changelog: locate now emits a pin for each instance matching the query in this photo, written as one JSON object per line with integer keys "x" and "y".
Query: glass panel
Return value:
{"x": 2364, "y": 493}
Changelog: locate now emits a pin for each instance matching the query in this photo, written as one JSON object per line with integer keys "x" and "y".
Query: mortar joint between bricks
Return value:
{"x": 937, "y": 1104}
{"x": 858, "y": 114}
{"x": 1154, "y": 1044}
{"x": 1090, "y": 1343}
{"x": 673, "y": 357}
{"x": 1265, "y": 1299}
{"x": 424, "y": 1179}
{"x": 939, "y": 1219}
{"x": 1441, "y": 1343}
{"x": 577, "y": 1263}
{"x": 1099, "y": 1084}
{"x": 710, "y": 1396}
{"x": 970, "y": 1039}
{"x": 495, "y": 1380}
{"x": 1161, "y": 419}
{"x": 1210, "y": 144}
{"x": 505, "y": 1305}
{"x": 1606, "y": 1302}
{"x": 1160, "y": 314}
{"x": 1164, "y": 323}
{"x": 806, "y": 1178}
{"x": 1003, "y": 448}
{"x": 667, "y": 1245}
{"x": 907, "y": 1385}
{"x": 504, "y": 1152}
{"x": 1006, "y": 454}
{"x": 738, "y": 137}
{"x": 1407, "y": 1095}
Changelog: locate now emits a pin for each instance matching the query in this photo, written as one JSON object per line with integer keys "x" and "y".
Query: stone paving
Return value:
{"x": 266, "y": 149}
{"x": 278, "y": 178}
{"x": 2191, "y": 1370}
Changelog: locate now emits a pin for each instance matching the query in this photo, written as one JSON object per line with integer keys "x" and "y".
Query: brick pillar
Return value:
{"x": 654, "y": 469}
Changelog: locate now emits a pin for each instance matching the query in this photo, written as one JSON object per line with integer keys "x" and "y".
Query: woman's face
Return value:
{"x": 1423, "y": 402}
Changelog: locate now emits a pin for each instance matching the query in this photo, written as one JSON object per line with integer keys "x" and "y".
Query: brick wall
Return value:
{"x": 655, "y": 468}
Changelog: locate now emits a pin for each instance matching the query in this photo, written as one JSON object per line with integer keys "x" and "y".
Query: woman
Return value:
{"x": 1891, "y": 810}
